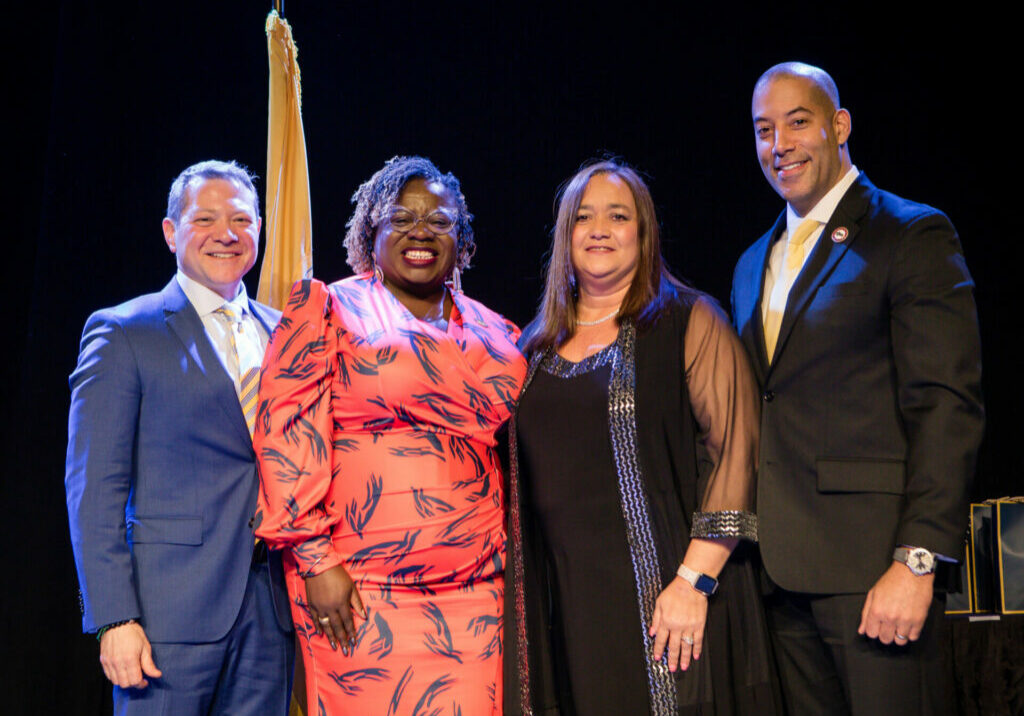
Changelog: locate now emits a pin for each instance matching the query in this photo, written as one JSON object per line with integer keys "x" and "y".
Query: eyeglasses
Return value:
{"x": 403, "y": 221}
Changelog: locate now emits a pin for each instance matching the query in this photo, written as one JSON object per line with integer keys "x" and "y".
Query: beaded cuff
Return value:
{"x": 725, "y": 523}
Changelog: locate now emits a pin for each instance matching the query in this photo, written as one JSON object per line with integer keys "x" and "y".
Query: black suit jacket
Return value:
{"x": 871, "y": 407}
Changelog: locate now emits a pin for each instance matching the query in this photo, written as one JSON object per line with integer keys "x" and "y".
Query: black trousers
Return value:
{"x": 828, "y": 669}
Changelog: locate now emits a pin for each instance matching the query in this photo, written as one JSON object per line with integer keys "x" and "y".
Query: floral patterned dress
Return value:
{"x": 375, "y": 438}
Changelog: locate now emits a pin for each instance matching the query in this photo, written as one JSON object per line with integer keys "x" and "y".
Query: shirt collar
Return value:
{"x": 826, "y": 206}
{"x": 206, "y": 301}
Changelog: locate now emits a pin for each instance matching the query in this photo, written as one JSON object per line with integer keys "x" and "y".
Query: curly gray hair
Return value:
{"x": 375, "y": 197}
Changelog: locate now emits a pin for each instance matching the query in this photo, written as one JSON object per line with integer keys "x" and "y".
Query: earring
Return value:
{"x": 377, "y": 272}
{"x": 455, "y": 282}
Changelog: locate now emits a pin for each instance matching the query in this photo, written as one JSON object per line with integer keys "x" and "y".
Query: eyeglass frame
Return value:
{"x": 420, "y": 219}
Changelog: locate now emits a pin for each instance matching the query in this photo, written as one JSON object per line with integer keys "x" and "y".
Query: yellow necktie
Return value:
{"x": 247, "y": 352}
{"x": 245, "y": 342}
{"x": 796, "y": 252}
{"x": 796, "y": 246}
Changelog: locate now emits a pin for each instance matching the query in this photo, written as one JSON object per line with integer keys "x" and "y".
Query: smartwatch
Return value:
{"x": 701, "y": 582}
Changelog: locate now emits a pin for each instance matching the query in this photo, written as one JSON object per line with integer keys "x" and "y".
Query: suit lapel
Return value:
{"x": 267, "y": 316}
{"x": 753, "y": 334}
{"x": 825, "y": 256}
{"x": 182, "y": 318}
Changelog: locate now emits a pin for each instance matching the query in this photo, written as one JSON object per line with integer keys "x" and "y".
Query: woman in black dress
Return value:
{"x": 633, "y": 456}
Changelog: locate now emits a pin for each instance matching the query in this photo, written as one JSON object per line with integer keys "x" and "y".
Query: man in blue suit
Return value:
{"x": 191, "y": 613}
{"x": 858, "y": 313}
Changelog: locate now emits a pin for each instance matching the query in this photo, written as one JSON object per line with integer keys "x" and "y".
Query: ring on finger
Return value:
{"x": 900, "y": 637}
{"x": 324, "y": 620}
{"x": 688, "y": 640}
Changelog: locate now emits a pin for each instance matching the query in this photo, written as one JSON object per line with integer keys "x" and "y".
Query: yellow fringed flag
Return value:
{"x": 289, "y": 253}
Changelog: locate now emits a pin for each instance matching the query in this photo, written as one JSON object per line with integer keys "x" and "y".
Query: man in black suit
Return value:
{"x": 858, "y": 312}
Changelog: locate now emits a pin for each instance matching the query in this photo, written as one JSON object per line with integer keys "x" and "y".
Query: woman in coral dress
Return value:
{"x": 379, "y": 401}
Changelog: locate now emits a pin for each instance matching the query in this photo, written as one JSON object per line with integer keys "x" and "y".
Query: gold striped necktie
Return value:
{"x": 248, "y": 354}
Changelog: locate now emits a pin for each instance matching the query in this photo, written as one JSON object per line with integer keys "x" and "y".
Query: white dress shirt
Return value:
{"x": 776, "y": 272}
{"x": 206, "y": 302}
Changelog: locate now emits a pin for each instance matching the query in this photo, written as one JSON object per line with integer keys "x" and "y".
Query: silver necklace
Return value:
{"x": 599, "y": 320}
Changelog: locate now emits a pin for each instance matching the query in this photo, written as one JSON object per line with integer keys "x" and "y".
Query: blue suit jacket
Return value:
{"x": 161, "y": 474}
{"x": 871, "y": 410}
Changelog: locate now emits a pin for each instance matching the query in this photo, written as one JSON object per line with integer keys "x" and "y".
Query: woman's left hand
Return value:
{"x": 679, "y": 616}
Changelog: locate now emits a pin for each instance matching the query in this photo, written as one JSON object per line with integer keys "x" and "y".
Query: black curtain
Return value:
{"x": 110, "y": 101}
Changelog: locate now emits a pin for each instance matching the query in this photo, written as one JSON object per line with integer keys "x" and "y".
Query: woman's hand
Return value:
{"x": 679, "y": 616}
{"x": 331, "y": 596}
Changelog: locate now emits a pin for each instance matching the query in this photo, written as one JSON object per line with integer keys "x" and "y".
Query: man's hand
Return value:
{"x": 331, "y": 597}
{"x": 679, "y": 616}
{"x": 897, "y": 606}
{"x": 127, "y": 656}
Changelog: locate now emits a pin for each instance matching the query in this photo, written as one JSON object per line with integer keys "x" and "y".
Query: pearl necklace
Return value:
{"x": 599, "y": 320}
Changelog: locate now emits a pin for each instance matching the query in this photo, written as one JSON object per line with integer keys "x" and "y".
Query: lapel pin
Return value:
{"x": 839, "y": 235}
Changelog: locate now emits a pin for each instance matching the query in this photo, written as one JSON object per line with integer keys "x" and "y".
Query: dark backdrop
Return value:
{"x": 110, "y": 101}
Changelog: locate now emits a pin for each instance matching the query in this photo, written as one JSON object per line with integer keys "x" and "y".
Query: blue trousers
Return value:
{"x": 247, "y": 673}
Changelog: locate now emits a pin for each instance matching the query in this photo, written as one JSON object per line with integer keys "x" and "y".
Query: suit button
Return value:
{"x": 768, "y": 396}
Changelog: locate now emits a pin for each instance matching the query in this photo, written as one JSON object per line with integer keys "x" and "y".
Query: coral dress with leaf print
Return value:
{"x": 375, "y": 438}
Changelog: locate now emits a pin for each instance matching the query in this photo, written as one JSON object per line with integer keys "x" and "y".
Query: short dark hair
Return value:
{"x": 378, "y": 194}
{"x": 232, "y": 171}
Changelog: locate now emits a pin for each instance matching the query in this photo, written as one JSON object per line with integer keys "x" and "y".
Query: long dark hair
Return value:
{"x": 653, "y": 287}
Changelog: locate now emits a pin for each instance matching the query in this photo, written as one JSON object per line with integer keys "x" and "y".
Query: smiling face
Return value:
{"x": 800, "y": 138}
{"x": 605, "y": 249}
{"x": 417, "y": 262}
{"x": 216, "y": 237}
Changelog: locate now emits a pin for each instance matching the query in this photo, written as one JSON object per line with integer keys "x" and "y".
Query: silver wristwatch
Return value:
{"x": 701, "y": 582}
{"x": 918, "y": 560}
